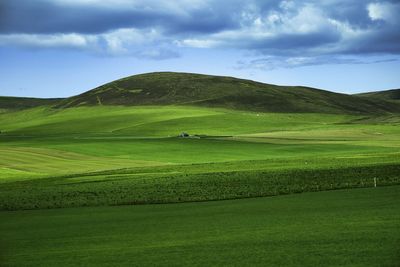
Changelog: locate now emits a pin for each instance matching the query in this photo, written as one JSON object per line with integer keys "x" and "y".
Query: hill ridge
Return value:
{"x": 17, "y": 103}
{"x": 180, "y": 88}
{"x": 389, "y": 95}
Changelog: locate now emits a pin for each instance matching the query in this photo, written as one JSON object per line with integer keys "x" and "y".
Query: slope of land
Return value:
{"x": 389, "y": 95}
{"x": 160, "y": 121}
{"x": 166, "y": 88}
{"x": 18, "y": 103}
{"x": 107, "y": 155}
{"x": 110, "y": 148}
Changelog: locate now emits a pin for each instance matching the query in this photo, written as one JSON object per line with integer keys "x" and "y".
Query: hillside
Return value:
{"x": 389, "y": 95}
{"x": 18, "y": 103}
{"x": 166, "y": 88}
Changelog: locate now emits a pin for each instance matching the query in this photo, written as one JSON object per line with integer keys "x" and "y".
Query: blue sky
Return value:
{"x": 58, "y": 48}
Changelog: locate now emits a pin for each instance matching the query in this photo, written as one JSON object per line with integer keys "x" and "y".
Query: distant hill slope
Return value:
{"x": 17, "y": 103}
{"x": 391, "y": 95}
{"x": 165, "y": 88}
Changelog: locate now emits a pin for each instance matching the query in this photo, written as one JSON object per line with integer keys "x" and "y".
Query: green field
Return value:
{"x": 358, "y": 227}
{"x": 84, "y": 181}
{"x": 90, "y": 156}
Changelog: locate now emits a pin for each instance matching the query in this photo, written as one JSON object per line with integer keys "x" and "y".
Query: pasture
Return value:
{"x": 89, "y": 156}
{"x": 73, "y": 181}
{"x": 358, "y": 227}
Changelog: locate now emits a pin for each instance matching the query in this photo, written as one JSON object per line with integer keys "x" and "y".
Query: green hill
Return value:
{"x": 166, "y": 88}
{"x": 88, "y": 158}
{"x": 390, "y": 95}
{"x": 18, "y": 103}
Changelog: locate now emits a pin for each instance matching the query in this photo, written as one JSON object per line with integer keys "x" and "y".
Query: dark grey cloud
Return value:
{"x": 52, "y": 16}
{"x": 309, "y": 28}
{"x": 26, "y": 16}
{"x": 288, "y": 43}
{"x": 156, "y": 29}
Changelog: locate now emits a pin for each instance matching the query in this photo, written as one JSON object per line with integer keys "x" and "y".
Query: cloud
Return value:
{"x": 274, "y": 62}
{"x": 121, "y": 42}
{"x": 383, "y": 11}
{"x": 294, "y": 31}
{"x": 308, "y": 29}
{"x": 276, "y": 31}
{"x": 95, "y": 16}
{"x": 45, "y": 41}
{"x": 157, "y": 54}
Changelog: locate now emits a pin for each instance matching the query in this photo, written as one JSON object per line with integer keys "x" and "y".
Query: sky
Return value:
{"x": 60, "y": 48}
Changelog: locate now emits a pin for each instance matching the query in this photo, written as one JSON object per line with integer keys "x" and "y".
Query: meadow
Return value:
{"x": 91, "y": 169}
{"x": 118, "y": 155}
{"x": 357, "y": 227}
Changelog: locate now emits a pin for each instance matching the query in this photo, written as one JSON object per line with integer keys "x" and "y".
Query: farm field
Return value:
{"x": 357, "y": 227}
{"x": 91, "y": 156}
{"x": 92, "y": 183}
{"x": 199, "y": 133}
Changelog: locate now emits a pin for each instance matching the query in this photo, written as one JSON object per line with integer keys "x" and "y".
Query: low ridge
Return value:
{"x": 389, "y": 95}
{"x": 18, "y": 103}
{"x": 171, "y": 88}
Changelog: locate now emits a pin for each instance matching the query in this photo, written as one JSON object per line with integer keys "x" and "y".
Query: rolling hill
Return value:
{"x": 74, "y": 171}
{"x": 18, "y": 103}
{"x": 389, "y": 95}
{"x": 169, "y": 88}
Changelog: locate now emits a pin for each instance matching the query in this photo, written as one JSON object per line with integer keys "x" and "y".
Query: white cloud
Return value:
{"x": 119, "y": 41}
{"x": 197, "y": 43}
{"x": 306, "y": 30}
{"x": 47, "y": 41}
{"x": 296, "y": 30}
{"x": 141, "y": 43}
{"x": 287, "y": 5}
{"x": 304, "y": 20}
{"x": 308, "y": 19}
{"x": 383, "y": 11}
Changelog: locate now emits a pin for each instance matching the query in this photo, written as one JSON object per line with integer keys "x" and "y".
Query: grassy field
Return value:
{"x": 110, "y": 157}
{"x": 117, "y": 155}
{"x": 359, "y": 227}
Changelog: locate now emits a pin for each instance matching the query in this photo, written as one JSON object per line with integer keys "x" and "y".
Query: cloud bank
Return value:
{"x": 274, "y": 33}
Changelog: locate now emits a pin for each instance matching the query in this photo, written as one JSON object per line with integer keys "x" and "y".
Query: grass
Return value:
{"x": 72, "y": 172}
{"x": 51, "y": 161}
{"x": 117, "y": 155}
{"x": 391, "y": 95}
{"x": 171, "y": 88}
{"x": 166, "y": 88}
{"x": 358, "y": 227}
{"x": 122, "y": 188}
{"x": 8, "y": 103}
{"x": 155, "y": 121}
{"x": 56, "y": 162}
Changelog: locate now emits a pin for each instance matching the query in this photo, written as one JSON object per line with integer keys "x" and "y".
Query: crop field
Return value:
{"x": 90, "y": 156}
{"x": 357, "y": 227}
{"x": 93, "y": 163}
